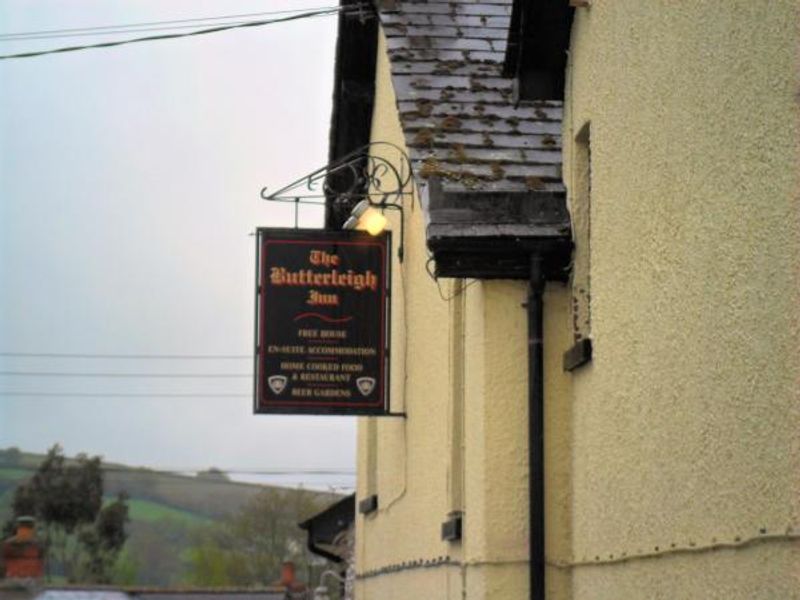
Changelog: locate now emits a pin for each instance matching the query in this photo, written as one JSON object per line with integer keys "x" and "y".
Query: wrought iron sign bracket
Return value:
{"x": 376, "y": 176}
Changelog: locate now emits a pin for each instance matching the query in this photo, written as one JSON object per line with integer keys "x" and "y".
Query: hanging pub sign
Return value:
{"x": 322, "y": 322}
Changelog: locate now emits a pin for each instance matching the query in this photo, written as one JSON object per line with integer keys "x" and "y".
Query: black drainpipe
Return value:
{"x": 536, "y": 427}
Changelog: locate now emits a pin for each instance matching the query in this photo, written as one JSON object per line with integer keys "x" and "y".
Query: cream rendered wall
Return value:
{"x": 686, "y": 425}
{"x": 496, "y": 535}
{"x": 411, "y": 456}
{"x": 411, "y": 461}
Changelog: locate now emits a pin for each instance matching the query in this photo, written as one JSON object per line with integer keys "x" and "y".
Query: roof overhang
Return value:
{"x": 491, "y": 235}
{"x": 503, "y": 200}
{"x": 325, "y": 527}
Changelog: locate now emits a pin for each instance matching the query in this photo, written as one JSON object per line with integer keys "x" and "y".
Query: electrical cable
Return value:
{"x": 120, "y": 395}
{"x": 169, "y": 36}
{"x": 162, "y": 22}
{"x": 115, "y": 32}
{"x": 124, "y": 375}
{"x": 307, "y": 484}
{"x": 183, "y": 471}
{"x": 193, "y": 476}
{"x": 127, "y": 356}
{"x": 111, "y": 32}
{"x": 435, "y": 279}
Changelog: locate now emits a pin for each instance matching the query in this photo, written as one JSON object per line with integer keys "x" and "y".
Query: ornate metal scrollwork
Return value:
{"x": 379, "y": 172}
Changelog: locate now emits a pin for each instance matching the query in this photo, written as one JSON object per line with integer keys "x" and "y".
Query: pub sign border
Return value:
{"x": 308, "y": 237}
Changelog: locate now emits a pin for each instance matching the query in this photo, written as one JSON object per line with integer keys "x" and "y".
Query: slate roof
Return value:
{"x": 457, "y": 112}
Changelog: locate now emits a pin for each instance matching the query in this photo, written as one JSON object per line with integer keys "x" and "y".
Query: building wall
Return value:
{"x": 459, "y": 370}
{"x": 672, "y": 459}
{"x": 405, "y": 461}
{"x": 685, "y": 448}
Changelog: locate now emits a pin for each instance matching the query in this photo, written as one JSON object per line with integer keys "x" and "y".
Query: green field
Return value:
{"x": 139, "y": 509}
{"x": 152, "y": 512}
{"x": 14, "y": 473}
{"x": 153, "y": 495}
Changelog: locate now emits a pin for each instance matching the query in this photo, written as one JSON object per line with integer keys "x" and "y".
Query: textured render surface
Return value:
{"x": 425, "y": 583}
{"x": 685, "y": 426}
{"x": 763, "y": 572}
{"x": 403, "y": 535}
{"x": 502, "y": 398}
{"x": 496, "y": 534}
{"x": 397, "y": 546}
{"x": 457, "y": 112}
{"x": 558, "y": 419}
{"x": 496, "y": 539}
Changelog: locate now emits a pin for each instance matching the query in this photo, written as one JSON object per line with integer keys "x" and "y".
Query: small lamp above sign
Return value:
{"x": 373, "y": 222}
{"x": 357, "y": 189}
{"x": 368, "y": 216}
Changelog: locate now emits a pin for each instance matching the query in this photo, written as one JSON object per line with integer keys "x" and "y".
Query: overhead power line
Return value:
{"x": 54, "y": 32}
{"x": 120, "y": 395}
{"x": 288, "y": 471}
{"x": 133, "y": 375}
{"x": 169, "y": 36}
{"x": 126, "y": 31}
{"x": 110, "y": 32}
{"x": 127, "y": 356}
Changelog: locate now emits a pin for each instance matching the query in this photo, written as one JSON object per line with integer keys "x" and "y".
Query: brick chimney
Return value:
{"x": 288, "y": 574}
{"x": 294, "y": 587}
{"x": 23, "y": 556}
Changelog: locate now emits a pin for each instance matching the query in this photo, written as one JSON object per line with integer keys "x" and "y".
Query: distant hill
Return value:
{"x": 154, "y": 494}
{"x": 209, "y": 497}
{"x": 163, "y": 493}
{"x": 167, "y": 511}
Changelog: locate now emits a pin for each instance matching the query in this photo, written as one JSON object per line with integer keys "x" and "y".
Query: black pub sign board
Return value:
{"x": 322, "y": 322}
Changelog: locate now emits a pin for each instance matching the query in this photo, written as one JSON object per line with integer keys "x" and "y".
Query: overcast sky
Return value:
{"x": 129, "y": 182}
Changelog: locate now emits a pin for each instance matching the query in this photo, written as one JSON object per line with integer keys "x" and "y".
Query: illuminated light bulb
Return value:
{"x": 372, "y": 221}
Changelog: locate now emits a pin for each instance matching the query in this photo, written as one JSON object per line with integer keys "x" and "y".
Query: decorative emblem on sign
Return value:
{"x": 277, "y": 383}
{"x": 365, "y": 385}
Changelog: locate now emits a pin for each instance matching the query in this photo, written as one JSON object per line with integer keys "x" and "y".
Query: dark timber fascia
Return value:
{"x": 353, "y": 95}
{"x": 491, "y": 235}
